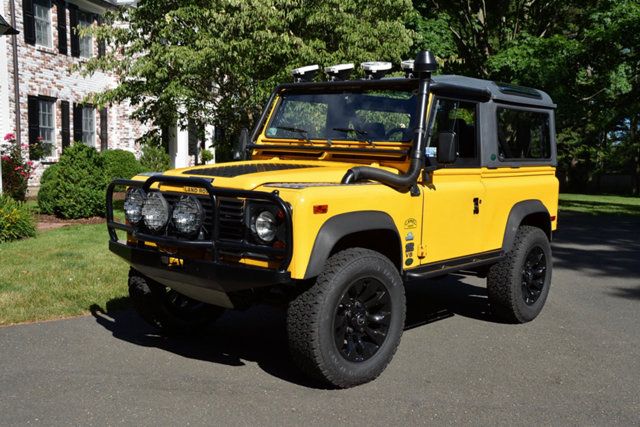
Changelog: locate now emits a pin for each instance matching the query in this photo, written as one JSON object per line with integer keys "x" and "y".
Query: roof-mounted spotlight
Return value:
{"x": 407, "y": 67}
{"x": 375, "y": 70}
{"x": 338, "y": 72}
{"x": 304, "y": 74}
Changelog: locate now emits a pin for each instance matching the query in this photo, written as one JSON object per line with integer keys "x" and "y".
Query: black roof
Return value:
{"x": 445, "y": 85}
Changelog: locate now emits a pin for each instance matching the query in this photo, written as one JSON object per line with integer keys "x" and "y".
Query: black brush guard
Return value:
{"x": 214, "y": 275}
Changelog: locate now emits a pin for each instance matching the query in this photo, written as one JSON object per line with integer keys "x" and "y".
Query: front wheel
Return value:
{"x": 345, "y": 329}
{"x": 518, "y": 285}
{"x": 167, "y": 309}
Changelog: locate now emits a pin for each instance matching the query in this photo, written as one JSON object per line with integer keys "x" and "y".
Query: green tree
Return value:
{"x": 584, "y": 53}
{"x": 215, "y": 61}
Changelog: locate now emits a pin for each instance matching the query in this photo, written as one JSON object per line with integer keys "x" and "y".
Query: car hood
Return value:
{"x": 249, "y": 175}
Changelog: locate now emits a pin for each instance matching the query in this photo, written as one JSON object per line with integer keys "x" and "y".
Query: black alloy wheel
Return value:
{"x": 362, "y": 320}
{"x": 519, "y": 284}
{"x": 534, "y": 272}
{"x": 345, "y": 328}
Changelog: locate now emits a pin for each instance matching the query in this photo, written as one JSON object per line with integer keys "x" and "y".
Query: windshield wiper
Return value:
{"x": 358, "y": 132}
{"x": 304, "y": 133}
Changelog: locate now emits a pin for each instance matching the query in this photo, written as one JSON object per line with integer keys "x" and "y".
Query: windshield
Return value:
{"x": 377, "y": 115}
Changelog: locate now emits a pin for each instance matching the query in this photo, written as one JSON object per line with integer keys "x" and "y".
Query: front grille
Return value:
{"x": 230, "y": 218}
{"x": 207, "y": 206}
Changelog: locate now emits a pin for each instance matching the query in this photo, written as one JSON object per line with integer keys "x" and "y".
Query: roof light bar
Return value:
{"x": 338, "y": 72}
{"x": 407, "y": 67}
{"x": 304, "y": 74}
{"x": 376, "y": 69}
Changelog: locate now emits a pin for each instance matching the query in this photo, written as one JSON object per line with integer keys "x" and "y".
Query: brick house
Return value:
{"x": 36, "y": 70}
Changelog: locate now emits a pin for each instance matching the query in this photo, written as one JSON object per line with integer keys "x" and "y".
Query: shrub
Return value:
{"x": 46, "y": 194}
{"x": 76, "y": 188}
{"x": 206, "y": 155}
{"x": 15, "y": 171}
{"x": 120, "y": 164}
{"x": 16, "y": 220}
{"x": 154, "y": 159}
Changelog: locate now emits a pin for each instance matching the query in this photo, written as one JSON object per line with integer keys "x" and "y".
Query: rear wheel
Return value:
{"x": 167, "y": 309}
{"x": 518, "y": 285}
{"x": 345, "y": 329}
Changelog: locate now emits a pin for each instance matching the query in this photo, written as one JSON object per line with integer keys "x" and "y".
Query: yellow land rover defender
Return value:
{"x": 351, "y": 188}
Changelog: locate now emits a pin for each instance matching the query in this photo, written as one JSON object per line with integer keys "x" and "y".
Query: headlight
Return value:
{"x": 133, "y": 202}
{"x": 155, "y": 211}
{"x": 265, "y": 226}
{"x": 187, "y": 215}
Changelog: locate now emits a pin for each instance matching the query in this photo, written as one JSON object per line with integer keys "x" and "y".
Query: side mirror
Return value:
{"x": 240, "y": 150}
{"x": 447, "y": 144}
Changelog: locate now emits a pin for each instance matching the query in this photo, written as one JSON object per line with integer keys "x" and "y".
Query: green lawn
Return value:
{"x": 599, "y": 205}
{"x": 59, "y": 273}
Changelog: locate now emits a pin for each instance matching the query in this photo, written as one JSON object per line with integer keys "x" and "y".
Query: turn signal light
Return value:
{"x": 320, "y": 209}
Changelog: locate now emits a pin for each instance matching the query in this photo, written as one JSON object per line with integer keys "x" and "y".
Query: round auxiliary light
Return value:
{"x": 133, "y": 202}
{"x": 155, "y": 212}
{"x": 187, "y": 215}
{"x": 265, "y": 226}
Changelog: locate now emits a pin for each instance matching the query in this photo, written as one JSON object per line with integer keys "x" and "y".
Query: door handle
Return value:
{"x": 476, "y": 205}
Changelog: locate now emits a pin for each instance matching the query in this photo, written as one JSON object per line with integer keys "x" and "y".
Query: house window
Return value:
{"x": 46, "y": 122}
{"x": 42, "y": 19}
{"x": 85, "y": 19}
{"x": 89, "y": 126}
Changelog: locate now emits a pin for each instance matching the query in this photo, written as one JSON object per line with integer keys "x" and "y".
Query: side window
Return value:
{"x": 459, "y": 117}
{"x": 523, "y": 134}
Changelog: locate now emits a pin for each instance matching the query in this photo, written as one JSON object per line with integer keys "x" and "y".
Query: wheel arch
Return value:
{"x": 373, "y": 230}
{"x": 527, "y": 212}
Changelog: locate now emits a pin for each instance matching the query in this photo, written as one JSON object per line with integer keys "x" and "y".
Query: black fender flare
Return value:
{"x": 341, "y": 225}
{"x": 518, "y": 212}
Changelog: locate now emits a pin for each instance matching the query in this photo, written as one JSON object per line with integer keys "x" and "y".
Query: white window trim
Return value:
{"x": 83, "y": 23}
{"x": 50, "y": 24}
{"x": 92, "y": 141}
{"x": 53, "y": 119}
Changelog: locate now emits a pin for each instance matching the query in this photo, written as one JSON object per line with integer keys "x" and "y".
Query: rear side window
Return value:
{"x": 523, "y": 135}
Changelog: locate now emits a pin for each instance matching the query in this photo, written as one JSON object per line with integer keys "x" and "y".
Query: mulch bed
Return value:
{"x": 50, "y": 222}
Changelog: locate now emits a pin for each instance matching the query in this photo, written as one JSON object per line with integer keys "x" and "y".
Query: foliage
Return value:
{"x": 77, "y": 188}
{"x": 584, "y": 53}
{"x": 63, "y": 272}
{"x": 47, "y": 191}
{"x": 16, "y": 220}
{"x": 206, "y": 155}
{"x": 154, "y": 158}
{"x": 120, "y": 164}
{"x": 15, "y": 170}
{"x": 216, "y": 61}
{"x": 39, "y": 149}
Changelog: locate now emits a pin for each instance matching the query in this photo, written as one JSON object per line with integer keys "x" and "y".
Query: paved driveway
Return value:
{"x": 578, "y": 363}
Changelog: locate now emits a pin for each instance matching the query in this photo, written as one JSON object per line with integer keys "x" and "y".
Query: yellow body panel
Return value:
{"x": 441, "y": 219}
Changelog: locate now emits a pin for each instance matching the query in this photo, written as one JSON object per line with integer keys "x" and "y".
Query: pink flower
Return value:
{"x": 40, "y": 138}
{"x": 25, "y": 146}
{"x": 17, "y": 168}
{"x": 6, "y": 158}
{"x": 30, "y": 163}
{"x": 9, "y": 136}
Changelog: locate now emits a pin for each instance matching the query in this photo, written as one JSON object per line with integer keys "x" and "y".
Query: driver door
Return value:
{"x": 453, "y": 216}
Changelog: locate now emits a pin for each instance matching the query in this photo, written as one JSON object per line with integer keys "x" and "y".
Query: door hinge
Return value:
{"x": 422, "y": 252}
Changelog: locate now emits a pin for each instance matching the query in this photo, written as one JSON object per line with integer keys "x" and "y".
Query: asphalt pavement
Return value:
{"x": 578, "y": 363}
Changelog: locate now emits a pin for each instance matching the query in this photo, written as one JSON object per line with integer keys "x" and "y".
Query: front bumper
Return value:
{"x": 206, "y": 281}
{"x": 214, "y": 281}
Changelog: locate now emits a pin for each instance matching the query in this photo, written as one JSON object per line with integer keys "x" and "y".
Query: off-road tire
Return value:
{"x": 506, "y": 279}
{"x": 153, "y": 302}
{"x": 311, "y": 317}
